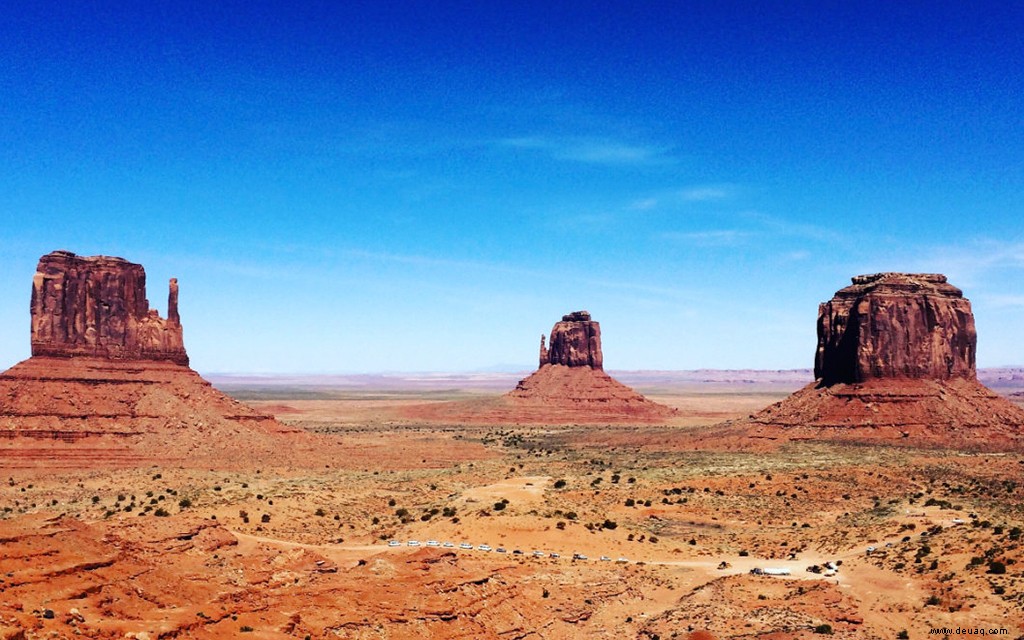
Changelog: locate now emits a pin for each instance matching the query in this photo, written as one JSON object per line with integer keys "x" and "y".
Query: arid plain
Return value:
{"x": 877, "y": 496}
{"x": 196, "y": 547}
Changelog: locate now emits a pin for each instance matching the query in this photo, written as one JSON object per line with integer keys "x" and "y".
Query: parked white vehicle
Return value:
{"x": 465, "y": 545}
{"x": 433, "y": 543}
{"x": 413, "y": 543}
{"x": 394, "y": 543}
{"x": 483, "y": 547}
{"x": 447, "y": 545}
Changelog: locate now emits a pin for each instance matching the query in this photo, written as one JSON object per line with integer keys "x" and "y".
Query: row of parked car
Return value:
{"x": 465, "y": 546}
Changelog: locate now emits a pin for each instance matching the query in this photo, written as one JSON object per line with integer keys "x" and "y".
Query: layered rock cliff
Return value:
{"x": 575, "y": 342}
{"x": 107, "y": 369}
{"x": 97, "y": 306}
{"x": 895, "y": 363}
{"x": 895, "y": 325}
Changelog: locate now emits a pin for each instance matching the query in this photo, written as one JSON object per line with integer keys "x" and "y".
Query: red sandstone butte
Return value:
{"x": 895, "y": 362}
{"x": 570, "y": 386}
{"x": 108, "y": 382}
{"x": 97, "y": 306}
{"x": 575, "y": 342}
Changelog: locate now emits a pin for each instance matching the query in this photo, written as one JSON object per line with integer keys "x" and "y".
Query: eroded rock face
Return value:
{"x": 96, "y": 306}
{"x": 575, "y": 342}
{"x": 895, "y": 325}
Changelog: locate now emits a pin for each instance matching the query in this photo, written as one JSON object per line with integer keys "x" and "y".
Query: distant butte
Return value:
{"x": 569, "y": 386}
{"x": 107, "y": 369}
{"x": 895, "y": 362}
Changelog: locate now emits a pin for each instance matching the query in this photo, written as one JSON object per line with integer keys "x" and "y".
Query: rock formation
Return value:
{"x": 105, "y": 366}
{"x": 895, "y": 360}
{"x": 569, "y": 386}
{"x": 575, "y": 342}
{"x": 97, "y": 306}
{"x": 895, "y": 325}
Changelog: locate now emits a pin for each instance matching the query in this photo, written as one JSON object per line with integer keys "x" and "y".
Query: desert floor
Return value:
{"x": 96, "y": 549}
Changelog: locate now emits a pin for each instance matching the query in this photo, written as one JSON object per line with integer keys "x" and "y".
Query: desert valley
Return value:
{"x": 875, "y": 496}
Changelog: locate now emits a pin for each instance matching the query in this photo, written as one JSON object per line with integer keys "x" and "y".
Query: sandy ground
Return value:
{"x": 300, "y": 550}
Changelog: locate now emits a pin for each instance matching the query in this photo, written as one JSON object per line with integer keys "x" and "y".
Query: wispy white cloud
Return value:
{"x": 707, "y": 193}
{"x": 644, "y": 204}
{"x": 592, "y": 150}
{"x": 711, "y": 238}
{"x": 688, "y": 195}
{"x": 783, "y": 227}
{"x": 795, "y": 256}
{"x": 1005, "y": 301}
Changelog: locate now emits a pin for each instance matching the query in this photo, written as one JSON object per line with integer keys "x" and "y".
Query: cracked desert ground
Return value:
{"x": 102, "y": 541}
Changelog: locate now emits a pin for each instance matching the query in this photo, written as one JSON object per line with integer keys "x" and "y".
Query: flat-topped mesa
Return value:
{"x": 575, "y": 342}
{"x": 895, "y": 325}
{"x": 96, "y": 306}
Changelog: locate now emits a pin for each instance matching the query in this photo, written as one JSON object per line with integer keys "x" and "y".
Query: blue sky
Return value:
{"x": 408, "y": 186}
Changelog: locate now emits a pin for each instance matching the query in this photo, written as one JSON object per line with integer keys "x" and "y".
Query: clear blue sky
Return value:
{"x": 375, "y": 186}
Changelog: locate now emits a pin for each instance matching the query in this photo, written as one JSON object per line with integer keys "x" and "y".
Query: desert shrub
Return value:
{"x": 571, "y": 515}
{"x": 903, "y": 635}
{"x": 320, "y": 512}
{"x": 996, "y": 568}
{"x": 630, "y": 502}
{"x": 402, "y": 512}
{"x": 932, "y": 601}
{"x": 560, "y": 525}
{"x": 825, "y": 629}
{"x": 184, "y": 503}
{"x": 265, "y": 518}
{"x": 609, "y": 524}
{"x": 246, "y": 629}
{"x": 161, "y": 513}
{"x": 499, "y": 506}
{"x": 744, "y": 553}
{"x": 559, "y": 484}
